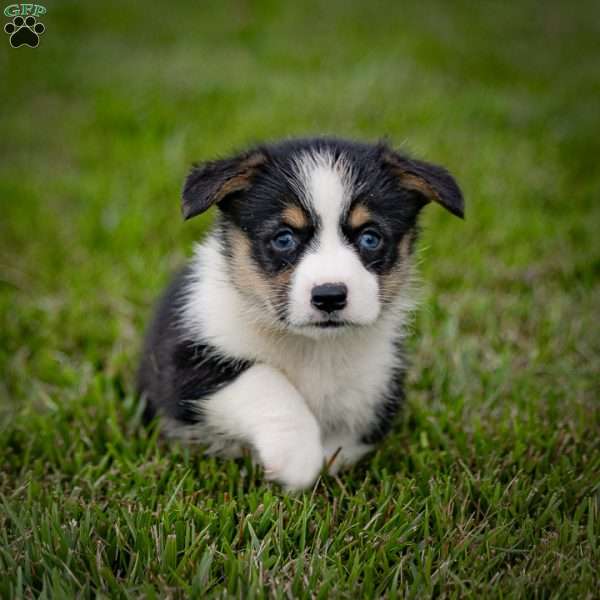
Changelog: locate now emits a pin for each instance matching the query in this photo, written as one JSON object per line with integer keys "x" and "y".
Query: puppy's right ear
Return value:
{"x": 210, "y": 182}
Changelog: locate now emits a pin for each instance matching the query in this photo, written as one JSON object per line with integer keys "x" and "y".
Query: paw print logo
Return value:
{"x": 24, "y": 31}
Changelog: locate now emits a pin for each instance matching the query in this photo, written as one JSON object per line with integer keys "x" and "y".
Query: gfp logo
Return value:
{"x": 24, "y": 29}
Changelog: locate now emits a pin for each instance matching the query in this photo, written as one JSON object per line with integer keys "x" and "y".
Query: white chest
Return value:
{"x": 341, "y": 378}
{"x": 341, "y": 382}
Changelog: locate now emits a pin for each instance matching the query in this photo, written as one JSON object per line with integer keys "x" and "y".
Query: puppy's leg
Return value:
{"x": 262, "y": 408}
{"x": 341, "y": 452}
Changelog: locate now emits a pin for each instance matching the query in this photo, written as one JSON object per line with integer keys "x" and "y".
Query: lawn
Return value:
{"x": 489, "y": 485}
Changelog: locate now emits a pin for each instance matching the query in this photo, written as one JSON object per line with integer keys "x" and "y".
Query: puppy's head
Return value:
{"x": 319, "y": 233}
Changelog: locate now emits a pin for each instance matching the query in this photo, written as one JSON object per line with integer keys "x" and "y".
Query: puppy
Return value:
{"x": 284, "y": 332}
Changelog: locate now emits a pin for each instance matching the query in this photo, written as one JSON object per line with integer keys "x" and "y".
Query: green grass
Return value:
{"x": 489, "y": 485}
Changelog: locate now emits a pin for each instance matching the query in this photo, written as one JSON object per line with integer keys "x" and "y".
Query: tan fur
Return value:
{"x": 410, "y": 180}
{"x": 282, "y": 280}
{"x": 248, "y": 278}
{"x": 392, "y": 283}
{"x": 295, "y": 217}
{"x": 359, "y": 215}
{"x": 245, "y": 274}
{"x": 242, "y": 180}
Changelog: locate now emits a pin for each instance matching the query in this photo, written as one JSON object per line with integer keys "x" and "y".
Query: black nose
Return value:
{"x": 329, "y": 296}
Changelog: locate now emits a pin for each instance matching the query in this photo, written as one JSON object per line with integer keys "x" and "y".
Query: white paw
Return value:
{"x": 294, "y": 458}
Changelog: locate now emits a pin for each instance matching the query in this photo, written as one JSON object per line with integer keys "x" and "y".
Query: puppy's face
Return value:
{"x": 319, "y": 233}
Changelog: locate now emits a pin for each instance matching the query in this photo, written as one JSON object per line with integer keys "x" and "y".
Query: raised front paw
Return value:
{"x": 294, "y": 458}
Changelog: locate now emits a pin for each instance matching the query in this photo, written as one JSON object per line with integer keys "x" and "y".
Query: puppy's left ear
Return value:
{"x": 432, "y": 182}
{"x": 210, "y": 182}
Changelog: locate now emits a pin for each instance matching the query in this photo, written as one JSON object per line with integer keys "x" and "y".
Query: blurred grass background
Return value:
{"x": 490, "y": 484}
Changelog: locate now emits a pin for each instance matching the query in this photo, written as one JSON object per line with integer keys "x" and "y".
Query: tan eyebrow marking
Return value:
{"x": 295, "y": 217}
{"x": 359, "y": 215}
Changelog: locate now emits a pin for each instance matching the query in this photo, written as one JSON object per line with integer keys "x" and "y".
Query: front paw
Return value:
{"x": 294, "y": 459}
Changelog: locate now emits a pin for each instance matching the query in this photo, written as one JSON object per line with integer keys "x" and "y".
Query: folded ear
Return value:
{"x": 208, "y": 183}
{"x": 432, "y": 182}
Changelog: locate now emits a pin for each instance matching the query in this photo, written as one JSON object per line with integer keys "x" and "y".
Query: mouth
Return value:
{"x": 329, "y": 324}
{"x": 332, "y": 322}
{"x": 316, "y": 329}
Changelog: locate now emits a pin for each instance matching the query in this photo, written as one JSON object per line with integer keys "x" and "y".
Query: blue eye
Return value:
{"x": 284, "y": 241}
{"x": 369, "y": 240}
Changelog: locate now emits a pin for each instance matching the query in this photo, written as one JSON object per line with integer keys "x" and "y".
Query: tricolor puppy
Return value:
{"x": 284, "y": 332}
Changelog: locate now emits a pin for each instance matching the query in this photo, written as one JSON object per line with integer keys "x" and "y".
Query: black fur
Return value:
{"x": 264, "y": 189}
{"x": 175, "y": 371}
{"x": 259, "y": 216}
{"x": 215, "y": 180}
{"x": 440, "y": 185}
{"x": 252, "y": 191}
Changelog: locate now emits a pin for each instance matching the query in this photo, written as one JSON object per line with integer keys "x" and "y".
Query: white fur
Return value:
{"x": 312, "y": 393}
{"x": 327, "y": 185}
{"x": 338, "y": 379}
{"x": 263, "y": 409}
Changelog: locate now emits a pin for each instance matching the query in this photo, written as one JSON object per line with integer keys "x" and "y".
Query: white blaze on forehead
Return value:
{"x": 325, "y": 184}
